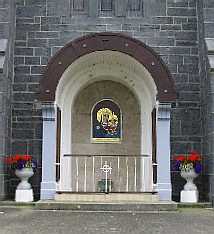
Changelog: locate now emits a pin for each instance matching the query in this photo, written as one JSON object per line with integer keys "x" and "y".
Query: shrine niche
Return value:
{"x": 106, "y": 122}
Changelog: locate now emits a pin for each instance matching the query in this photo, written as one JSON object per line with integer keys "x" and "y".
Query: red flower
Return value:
{"x": 194, "y": 156}
{"x": 180, "y": 158}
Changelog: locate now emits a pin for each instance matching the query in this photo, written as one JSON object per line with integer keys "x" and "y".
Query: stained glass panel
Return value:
{"x": 106, "y": 122}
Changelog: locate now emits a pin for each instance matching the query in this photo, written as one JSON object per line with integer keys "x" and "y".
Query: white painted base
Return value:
{"x": 24, "y": 195}
{"x": 189, "y": 196}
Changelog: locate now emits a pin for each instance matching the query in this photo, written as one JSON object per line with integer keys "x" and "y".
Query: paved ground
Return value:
{"x": 24, "y": 221}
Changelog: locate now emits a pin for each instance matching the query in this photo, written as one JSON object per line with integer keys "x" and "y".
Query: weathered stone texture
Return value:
{"x": 6, "y": 72}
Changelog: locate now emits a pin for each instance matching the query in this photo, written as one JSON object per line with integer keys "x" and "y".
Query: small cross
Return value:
{"x": 106, "y": 169}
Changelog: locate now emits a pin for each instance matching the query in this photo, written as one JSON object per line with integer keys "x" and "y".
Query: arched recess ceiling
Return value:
{"x": 101, "y": 42}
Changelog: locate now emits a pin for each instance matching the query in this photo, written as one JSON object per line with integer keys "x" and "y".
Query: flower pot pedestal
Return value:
{"x": 189, "y": 196}
{"x": 24, "y": 195}
{"x": 190, "y": 192}
{"x": 24, "y": 192}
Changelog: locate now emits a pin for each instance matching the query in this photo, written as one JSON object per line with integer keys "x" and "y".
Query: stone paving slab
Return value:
{"x": 128, "y": 206}
{"x": 24, "y": 221}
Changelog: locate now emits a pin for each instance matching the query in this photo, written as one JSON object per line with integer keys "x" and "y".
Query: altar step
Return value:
{"x": 140, "y": 202}
{"x": 107, "y": 207}
{"x": 107, "y": 198}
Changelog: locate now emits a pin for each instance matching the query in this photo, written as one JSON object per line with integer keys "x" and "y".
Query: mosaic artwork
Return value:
{"x": 106, "y": 122}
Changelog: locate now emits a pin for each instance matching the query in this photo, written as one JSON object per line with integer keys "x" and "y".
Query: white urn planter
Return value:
{"x": 24, "y": 192}
{"x": 190, "y": 191}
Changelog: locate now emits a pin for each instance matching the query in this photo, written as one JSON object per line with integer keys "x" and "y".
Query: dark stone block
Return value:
{"x": 37, "y": 69}
{"x": 18, "y": 60}
{"x": 19, "y": 87}
{"x": 22, "y": 134}
{"x": 25, "y": 97}
{"x": 46, "y": 35}
{"x": 30, "y": 11}
{"x": 4, "y": 16}
{"x": 176, "y": 59}
{"x": 50, "y": 20}
{"x": 44, "y": 60}
{"x": 173, "y": 3}
{"x": 27, "y": 78}
{"x": 186, "y": 43}
{"x": 19, "y": 147}
{"x": 23, "y": 126}
{"x": 39, "y": 51}
{"x": 37, "y": 2}
{"x": 191, "y": 128}
{"x": 20, "y": 21}
{"x": 188, "y": 68}
{"x": 27, "y": 27}
{"x": 37, "y": 42}
{"x": 162, "y": 20}
{"x": 191, "y": 59}
{"x": 189, "y": 96}
{"x": 176, "y": 11}
{"x": 209, "y": 32}
{"x": 22, "y": 69}
{"x": 56, "y": 9}
{"x": 158, "y": 41}
{"x": 180, "y": 20}
{"x": 190, "y": 26}
{"x": 32, "y": 60}
{"x": 33, "y": 87}
{"x": 23, "y": 51}
{"x": 180, "y": 147}
{"x": 20, "y": 43}
{"x": 172, "y": 27}
{"x": 181, "y": 78}
{"x": 186, "y": 35}
{"x": 179, "y": 50}
{"x": 20, "y": 35}
{"x": 22, "y": 112}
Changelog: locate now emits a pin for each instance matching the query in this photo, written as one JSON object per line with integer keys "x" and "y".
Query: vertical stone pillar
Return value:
{"x": 164, "y": 187}
{"x": 48, "y": 184}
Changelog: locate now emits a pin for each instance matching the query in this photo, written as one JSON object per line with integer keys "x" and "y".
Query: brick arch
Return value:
{"x": 101, "y": 42}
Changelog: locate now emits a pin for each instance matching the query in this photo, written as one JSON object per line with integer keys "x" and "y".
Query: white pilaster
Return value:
{"x": 164, "y": 187}
{"x": 48, "y": 184}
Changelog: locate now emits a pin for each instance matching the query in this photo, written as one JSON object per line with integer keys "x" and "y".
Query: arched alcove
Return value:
{"x": 108, "y": 57}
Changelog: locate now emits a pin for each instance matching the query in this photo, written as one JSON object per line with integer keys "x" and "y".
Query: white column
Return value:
{"x": 65, "y": 182}
{"x": 146, "y": 149}
{"x": 48, "y": 184}
{"x": 164, "y": 187}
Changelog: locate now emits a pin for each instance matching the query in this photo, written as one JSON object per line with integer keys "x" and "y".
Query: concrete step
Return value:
{"x": 107, "y": 198}
{"x": 119, "y": 206}
{"x": 195, "y": 205}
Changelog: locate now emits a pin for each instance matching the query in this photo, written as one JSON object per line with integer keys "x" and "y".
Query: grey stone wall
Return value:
{"x": 207, "y": 68}
{"x": 43, "y": 27}
{"x": 7, "y": 24}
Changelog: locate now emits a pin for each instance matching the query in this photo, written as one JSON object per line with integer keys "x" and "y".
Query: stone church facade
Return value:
{"x": 164, "y": 48}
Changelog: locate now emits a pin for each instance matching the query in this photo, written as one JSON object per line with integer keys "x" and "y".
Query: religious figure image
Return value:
{"x": 106, "y": 122}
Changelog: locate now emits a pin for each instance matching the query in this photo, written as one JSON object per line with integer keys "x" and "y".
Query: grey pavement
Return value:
{"x": 27, "y": 220}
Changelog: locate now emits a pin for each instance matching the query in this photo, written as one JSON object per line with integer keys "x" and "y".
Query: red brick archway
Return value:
{"x": 107, "y": 41}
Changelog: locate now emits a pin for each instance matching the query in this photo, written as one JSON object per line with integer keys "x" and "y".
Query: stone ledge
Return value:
{"x": 107, "y": 198}
{"x": 134, "y": 206}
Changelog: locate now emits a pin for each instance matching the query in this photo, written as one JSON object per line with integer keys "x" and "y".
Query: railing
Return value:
{"x": 106, "y": 173}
